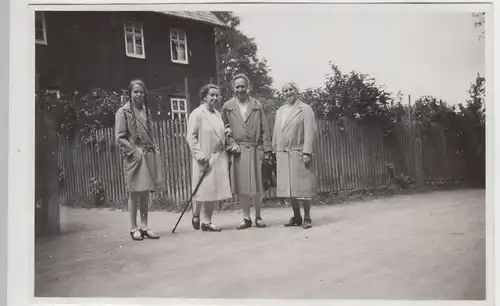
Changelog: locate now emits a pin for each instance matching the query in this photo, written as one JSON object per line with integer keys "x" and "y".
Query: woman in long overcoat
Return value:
{"x": 142, "y": 164}
{"x": 247, "y": 124}
{"x": 208, "y": 144}
{"x": 293, "y": 141}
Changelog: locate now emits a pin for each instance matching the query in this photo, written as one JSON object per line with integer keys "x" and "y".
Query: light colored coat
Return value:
{"x": 205, "y": 137}
{"x": 290, "y": 140}
{"x": 252, "y": 134}
{"x": 143, "y": 171}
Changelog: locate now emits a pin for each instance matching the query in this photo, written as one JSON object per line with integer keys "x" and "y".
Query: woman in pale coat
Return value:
{"x": 293, "y": 142}
{"x": 208, "y": 144}
{"x": 143, "y": 168}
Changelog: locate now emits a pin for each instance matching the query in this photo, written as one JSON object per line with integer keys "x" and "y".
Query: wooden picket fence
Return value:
{"x": 349, "y": 156}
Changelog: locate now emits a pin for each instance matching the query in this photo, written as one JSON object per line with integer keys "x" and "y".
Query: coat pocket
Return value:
{"x": 133, "y": 159}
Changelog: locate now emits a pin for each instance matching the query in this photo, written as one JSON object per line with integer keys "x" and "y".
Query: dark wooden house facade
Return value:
{"x": 173, "y": 52}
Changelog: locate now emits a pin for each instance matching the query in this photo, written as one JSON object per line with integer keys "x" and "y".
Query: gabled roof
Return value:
{"x": 205, "y": 17}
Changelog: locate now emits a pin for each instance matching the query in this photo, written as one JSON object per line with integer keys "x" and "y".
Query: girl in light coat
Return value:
{"x": 142, "y": 165}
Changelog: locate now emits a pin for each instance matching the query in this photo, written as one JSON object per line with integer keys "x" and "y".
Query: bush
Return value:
{"x": 81, "y": 112}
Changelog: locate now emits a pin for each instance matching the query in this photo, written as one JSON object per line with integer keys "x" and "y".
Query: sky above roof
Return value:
{"x": 419, "y": 53}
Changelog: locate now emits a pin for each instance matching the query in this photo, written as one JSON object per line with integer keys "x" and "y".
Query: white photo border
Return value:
{"x": 20, "y": 267}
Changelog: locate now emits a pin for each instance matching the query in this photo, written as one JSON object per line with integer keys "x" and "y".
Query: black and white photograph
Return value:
{"x": 175, "y": 152}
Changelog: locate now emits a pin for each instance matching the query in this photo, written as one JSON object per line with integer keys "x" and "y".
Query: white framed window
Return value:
{"x": 178, "y": 108}
{"x": 178, "y": 46}
{"x": 40, "y": 28}
{"x": 134, "y": 40}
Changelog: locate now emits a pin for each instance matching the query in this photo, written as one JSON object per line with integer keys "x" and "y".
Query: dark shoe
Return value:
{"x": 246, "y": 223}
{"x": 136, "y": 235}
{"x": 209, "y": 227}
{"x": 259, "y": 222}
{"x": 294, "y": 221}
{"x": 307, "y": 223}
{"x": 196, "y": 222}
{"x": 149, "y": 234}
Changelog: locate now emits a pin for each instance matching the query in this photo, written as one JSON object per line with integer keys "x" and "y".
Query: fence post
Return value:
{"x": 418, "y": 149}
{"x": 186, "y": 93}
{"x": 416, "y": 139}
{"x": 47, "y": 214}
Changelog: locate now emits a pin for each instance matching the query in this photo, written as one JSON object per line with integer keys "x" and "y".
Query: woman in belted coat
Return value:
{"x": 142, "y": 165}
{"x": 247, "y": 124}
{"x": 209, "y": 145}
{"x": 293, "y": 141}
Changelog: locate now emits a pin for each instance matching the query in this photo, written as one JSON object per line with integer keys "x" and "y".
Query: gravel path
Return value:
{"x": 425, "y": 246}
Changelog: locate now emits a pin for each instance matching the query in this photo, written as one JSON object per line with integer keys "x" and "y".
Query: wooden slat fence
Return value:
{"x": 348, "y": 156}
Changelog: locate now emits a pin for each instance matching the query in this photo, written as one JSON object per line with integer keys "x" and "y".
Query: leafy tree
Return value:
{"x": 237, "y": 53}
{"x": 353, "y": 95}
{"x": 317, "y": 98}
{"x": 465, "y": 126}
{"x": 474, "y": 131}
{"x": 428, "y": 110}
{"x": 475, "y": 105}
{"x": 80, "y": 112}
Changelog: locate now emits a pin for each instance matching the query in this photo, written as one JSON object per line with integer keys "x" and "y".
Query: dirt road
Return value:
{"x": 427, "y": 246}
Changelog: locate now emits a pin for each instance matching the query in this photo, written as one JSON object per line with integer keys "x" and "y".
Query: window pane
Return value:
{"x": 38, "y": 18}
{"x": 137, "y": 29}
{"x": 182, "y": 35}
{"x": 174, "y": 35}
{"x": 39, "y": 34}
{"x": 130, "y": 38}
{"x": 182, "y": 106}
{"x": 39, "y": 29}
{"x": 38, "y": 24}
{"x": 175, "y": 105}
{"x": 138, "y": 41}
{"x": 182, "y": 52}
{"x": 130, "y": 48}
{"x": 138, "y": 50}
{"x": 128, "y": 27}
{"x": 175, "y": 55}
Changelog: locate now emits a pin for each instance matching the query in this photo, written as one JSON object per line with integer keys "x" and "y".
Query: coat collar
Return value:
{"x": 294, "y": 112}
{"x": 205, "y": 113}
{"x": 142, "y": 128}
{"x": 128, "y": 108}
{"x": 234, "y": 107}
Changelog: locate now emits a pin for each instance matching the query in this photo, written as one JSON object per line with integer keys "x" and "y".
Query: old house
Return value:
{"x": 173, "y": 52}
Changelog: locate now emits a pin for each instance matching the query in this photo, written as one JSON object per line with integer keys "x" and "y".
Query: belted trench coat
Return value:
{"x": 142, "y": 163}
{"x": 251, "y": 132}
{"x": 294, "y": 134}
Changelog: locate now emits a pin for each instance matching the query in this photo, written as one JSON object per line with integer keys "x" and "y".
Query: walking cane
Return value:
{"x": 203, "y": 174}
